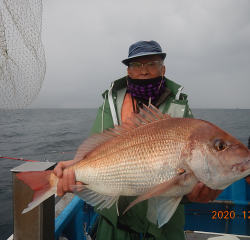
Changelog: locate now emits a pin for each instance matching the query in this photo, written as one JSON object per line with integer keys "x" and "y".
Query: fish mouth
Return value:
{"x": 241, "y": 167}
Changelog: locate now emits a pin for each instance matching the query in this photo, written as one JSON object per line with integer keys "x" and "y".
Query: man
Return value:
{"x": 144, "y": 84}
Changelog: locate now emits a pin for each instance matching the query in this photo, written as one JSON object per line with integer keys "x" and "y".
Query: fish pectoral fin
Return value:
{"x": 156, "y": 191}
{"x": 94, "y": 198}
{"x": 166, "y": 208}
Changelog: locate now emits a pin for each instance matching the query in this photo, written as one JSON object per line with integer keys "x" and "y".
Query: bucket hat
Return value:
{"x": 143, "y": 48}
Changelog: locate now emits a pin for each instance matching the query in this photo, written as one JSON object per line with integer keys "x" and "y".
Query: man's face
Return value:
{"x": 144, "y": 72}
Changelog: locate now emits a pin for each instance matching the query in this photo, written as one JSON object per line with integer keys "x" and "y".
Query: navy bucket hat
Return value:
{"x": 143, "y": 48}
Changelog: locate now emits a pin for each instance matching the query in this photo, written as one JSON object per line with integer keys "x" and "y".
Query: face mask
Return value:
{"x": 144, "y": 89}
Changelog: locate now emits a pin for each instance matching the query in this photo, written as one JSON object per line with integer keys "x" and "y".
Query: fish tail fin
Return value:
{"x": 43, "y": 184}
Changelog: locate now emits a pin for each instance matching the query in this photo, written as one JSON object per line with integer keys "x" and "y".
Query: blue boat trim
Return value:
{"x": 66, "y": 220}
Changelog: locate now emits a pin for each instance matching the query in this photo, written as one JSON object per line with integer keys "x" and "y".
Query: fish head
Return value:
{"x": 217, "y": 158}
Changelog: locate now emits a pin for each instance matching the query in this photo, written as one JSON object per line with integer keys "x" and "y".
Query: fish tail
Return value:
{"x": 44, "y": 185}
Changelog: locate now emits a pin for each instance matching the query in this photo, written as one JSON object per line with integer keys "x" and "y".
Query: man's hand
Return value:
{"x": 248, "y": 180}
{"x": 203, "y": 194}
{"x": 66, "y": 177}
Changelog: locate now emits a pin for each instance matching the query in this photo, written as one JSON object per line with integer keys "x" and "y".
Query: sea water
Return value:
{"x": 55, "y": 135}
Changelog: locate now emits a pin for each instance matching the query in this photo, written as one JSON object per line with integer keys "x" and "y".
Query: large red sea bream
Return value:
{"x": 150, "y": 156}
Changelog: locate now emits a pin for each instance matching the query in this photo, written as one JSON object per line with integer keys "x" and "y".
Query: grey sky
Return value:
{"x": 207, "y": 44}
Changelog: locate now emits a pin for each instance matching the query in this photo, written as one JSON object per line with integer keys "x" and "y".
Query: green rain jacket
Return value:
{"x": 134, "y": 223}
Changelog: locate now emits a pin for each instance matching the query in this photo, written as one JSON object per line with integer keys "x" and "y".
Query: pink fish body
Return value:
{"x": 153, "y": 156}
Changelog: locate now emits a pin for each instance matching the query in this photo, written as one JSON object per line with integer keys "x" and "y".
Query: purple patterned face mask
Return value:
{"x": 143, "y": 89}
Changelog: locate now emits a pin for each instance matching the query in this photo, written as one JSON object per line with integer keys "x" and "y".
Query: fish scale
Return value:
{"x": 147, "y": 166}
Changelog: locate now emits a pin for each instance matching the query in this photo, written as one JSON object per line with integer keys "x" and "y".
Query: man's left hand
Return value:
{"x": 203, "y": 194}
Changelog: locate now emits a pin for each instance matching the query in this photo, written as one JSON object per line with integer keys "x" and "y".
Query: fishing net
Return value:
{"x": 22, "y": 58}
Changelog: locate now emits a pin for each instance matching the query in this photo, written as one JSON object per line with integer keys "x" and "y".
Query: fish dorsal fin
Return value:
{"x": 146, "y": 115}
{"x": 156, "y": 112}
{"x": 92, "y": 142}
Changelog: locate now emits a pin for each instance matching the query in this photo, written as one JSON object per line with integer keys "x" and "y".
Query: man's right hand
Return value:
{"x": 66, "y": 177}
{"x": 248, "y": 179}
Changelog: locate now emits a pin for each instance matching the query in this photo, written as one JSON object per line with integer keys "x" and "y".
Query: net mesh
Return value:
{"x": 22, "y": 58}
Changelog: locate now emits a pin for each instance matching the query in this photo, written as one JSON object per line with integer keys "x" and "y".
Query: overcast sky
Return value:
{"x": 207, "y": 44}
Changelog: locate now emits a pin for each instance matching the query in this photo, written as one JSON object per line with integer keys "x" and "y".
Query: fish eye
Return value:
{"x": 220, "y": 145}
